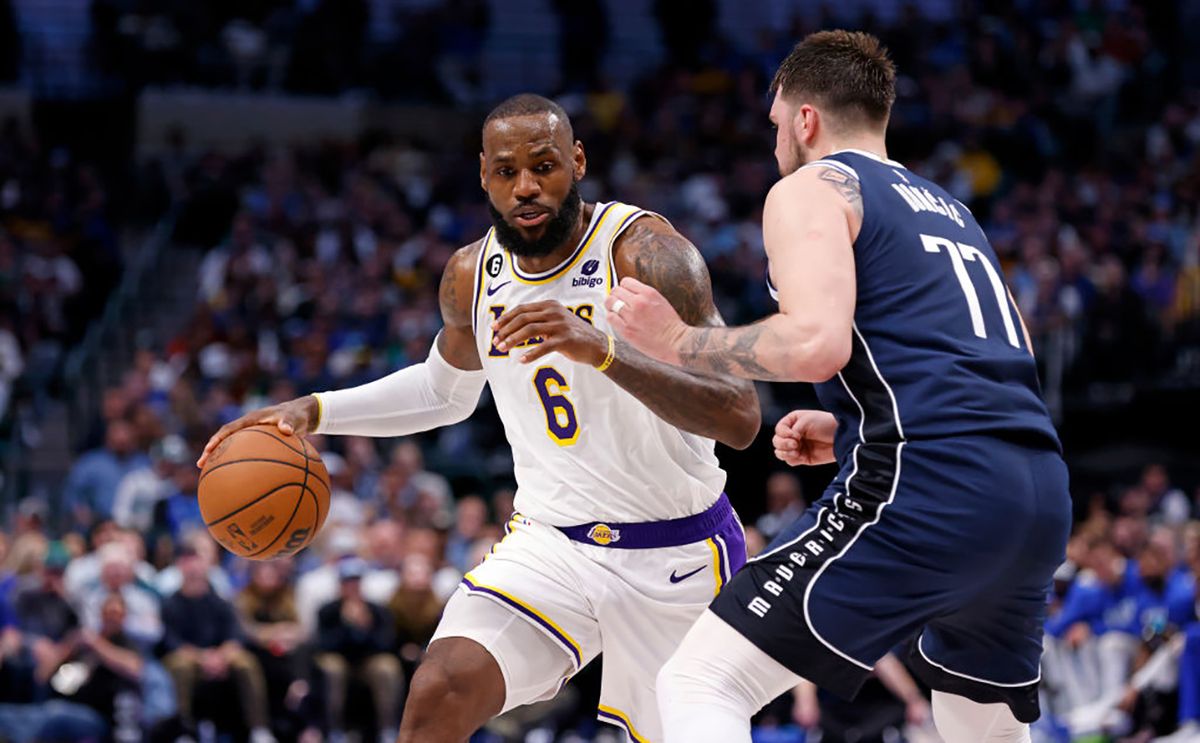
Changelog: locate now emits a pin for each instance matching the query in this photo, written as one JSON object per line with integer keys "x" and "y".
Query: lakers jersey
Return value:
{"x": 583, "y": 448}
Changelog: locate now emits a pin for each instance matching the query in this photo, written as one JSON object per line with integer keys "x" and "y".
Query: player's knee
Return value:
{"x": 434, "y": 688}
{"x": 441, "y": 686}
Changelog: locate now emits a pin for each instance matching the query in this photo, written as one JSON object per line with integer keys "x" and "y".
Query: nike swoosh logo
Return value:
{"x": 493, "y": 289}
{"x": 685, "y": 576}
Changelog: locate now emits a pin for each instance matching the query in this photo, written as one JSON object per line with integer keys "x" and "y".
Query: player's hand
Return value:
{"x": 646, "y": 320}
{"x": 559, "y": 328}
{"x": 805, "y": 437}
{"x": 806, "y": 711}
{"x": 918, "y": 713}
{"x": 293, "y": 418}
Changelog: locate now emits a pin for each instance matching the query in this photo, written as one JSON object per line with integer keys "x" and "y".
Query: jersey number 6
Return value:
{"x": 561, "y": 424}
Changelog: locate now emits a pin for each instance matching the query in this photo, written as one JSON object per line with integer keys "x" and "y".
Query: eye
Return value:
{"x": 504, "y": 172}
{"x": 545, "y": 167}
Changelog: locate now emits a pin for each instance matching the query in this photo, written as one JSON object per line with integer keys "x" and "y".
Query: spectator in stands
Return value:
{"x": 170, "y": 578}
{"x": 355, "y": 639}
{"x": 91, "y": 486}
{"x": 470, "y": 516}
{"x": 1168, "y": 503}
{"x": 201, "y": 643}
{"x": 410, "y": 493}
{"x": 267, "y": 610}
{"x": 1094, "y": 639}
{"x": 415, "y": 608}
{"x": 785, "y": 503}
{"x": 143, "y": 489}
{"x": 179, "y": 513}
{"x": 139, "y": 604}
{"x": 44, "y": 616}
{"x": 102, "y": 669}
{"x": 12, "y": 361}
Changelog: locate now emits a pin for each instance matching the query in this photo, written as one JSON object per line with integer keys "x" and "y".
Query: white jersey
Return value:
{"x": 584, "y": 449}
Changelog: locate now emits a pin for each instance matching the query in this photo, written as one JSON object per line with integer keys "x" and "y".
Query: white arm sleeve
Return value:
{"x": 417, "y": 398}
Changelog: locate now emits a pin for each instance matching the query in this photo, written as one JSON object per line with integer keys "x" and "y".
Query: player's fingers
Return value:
{"x": 619, "y": 294}
{"x": 789, "y": 420}
{"x": 515, "y": 317}
{"x": 618, "y": 324}
{"x": 525, "y": 333}
{"x": 225, "y": 431}
{"x": 517, "y": 330}
{"x": 539, "y": 351}
{"x": 789, "y": 458}
{"x": 634, "y": 286}
{"x": 785, "y": 443}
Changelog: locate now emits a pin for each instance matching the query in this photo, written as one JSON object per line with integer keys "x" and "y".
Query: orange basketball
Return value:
{"x": 262, "y": 494}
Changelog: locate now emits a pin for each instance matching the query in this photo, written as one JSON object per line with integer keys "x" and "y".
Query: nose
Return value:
{"x": 527, "y": 187}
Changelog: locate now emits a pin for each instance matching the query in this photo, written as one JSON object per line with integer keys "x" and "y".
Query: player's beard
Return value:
{"x": 558, "y": 228}
{"x": 798, "y": 157}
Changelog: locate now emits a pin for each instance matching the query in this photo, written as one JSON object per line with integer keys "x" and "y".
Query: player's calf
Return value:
{"x": 456, "y": 689}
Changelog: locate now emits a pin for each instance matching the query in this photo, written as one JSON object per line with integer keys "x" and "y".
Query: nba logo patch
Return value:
{"x": 604, "y": 536}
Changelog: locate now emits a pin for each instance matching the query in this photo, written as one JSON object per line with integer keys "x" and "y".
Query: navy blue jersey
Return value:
{"x": 938, "y": 348}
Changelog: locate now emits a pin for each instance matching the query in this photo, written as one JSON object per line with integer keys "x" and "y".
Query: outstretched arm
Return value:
{"x": 808, "y": 222}
{"x": 714, "y": 405}
{"x": 442, "y": 390}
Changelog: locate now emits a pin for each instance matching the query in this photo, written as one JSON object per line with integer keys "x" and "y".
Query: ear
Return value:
{"x": 580, "y": 159}
{"x": 806, "y": 124}
{"x": 482, "y": 171}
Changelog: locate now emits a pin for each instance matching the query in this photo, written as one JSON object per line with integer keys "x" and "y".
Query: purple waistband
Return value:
{"x": 654, "y": 534}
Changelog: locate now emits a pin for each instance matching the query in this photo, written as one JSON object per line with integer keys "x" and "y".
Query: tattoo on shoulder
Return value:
{"x": 667, "y": 261}
{"x": 846, "y": 185}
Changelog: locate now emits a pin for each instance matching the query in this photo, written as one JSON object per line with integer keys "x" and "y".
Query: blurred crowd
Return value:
{"x": 59, "y": 259}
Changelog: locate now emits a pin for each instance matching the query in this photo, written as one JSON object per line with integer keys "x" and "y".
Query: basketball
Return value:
{"x": 262, "y": 494}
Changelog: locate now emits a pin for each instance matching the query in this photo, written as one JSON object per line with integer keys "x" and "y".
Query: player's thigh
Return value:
{"x": 532, "y": 666}
{"x": 990, "y": 650}
{"x": 529, "y": 606}
{"x": 651, "y": 599}
{"x": 831, "y": 596}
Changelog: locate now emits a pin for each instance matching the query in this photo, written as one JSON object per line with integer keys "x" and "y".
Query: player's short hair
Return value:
{"x": 528, "y": 104}
{"x": 848, "y": 72}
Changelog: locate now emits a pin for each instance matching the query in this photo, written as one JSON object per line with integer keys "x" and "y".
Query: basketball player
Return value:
{"x": 622, "y": 535}
{"x": 950, "y": 511}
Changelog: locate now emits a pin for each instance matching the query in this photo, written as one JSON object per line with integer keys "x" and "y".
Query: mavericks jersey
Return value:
{"x": 938, "y": 349}
{"x": 583, "y": 449}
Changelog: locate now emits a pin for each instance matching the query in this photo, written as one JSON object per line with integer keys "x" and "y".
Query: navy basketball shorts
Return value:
{"x": 948, "y": 546}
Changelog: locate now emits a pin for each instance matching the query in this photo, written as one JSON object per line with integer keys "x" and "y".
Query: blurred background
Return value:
{"x": 210, "y": 206}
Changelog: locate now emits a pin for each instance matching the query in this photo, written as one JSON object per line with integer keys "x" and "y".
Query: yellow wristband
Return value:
{"x": 320, "y": 412}
{"x": 612, "y": 354}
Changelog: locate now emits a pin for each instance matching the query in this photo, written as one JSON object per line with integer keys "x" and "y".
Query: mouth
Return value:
{"x": 530, "y": 216}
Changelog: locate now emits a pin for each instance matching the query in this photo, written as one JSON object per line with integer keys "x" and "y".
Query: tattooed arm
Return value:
{"x": 721, "y": 407}
{"x": 809, "y": 223}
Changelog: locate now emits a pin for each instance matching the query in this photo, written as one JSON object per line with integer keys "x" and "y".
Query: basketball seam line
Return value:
{"x": 244, "y": 506}
{"x": 280, "y": 440}
{"x": 295, "y": 509}
{"x": 264, "y": 459}
{"x": 328, "y": 488}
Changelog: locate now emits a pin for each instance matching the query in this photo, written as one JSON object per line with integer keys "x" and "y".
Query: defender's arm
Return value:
{"x": 718, "y": 406}
{"x": 807, "y": 229}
